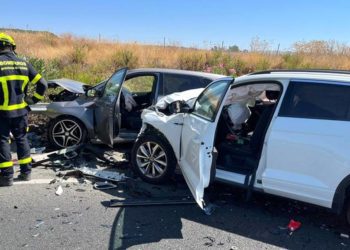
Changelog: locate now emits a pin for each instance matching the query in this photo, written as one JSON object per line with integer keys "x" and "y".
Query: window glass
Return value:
{"x": 209, "y": 101}
{"x": 316, "y": 101}
{"x": 139, "y": 84}
{"x": 177, "y": 83}
{"x": 113, "y": 84}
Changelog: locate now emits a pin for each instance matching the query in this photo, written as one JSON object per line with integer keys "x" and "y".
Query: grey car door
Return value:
{"x": 106, "y": 125}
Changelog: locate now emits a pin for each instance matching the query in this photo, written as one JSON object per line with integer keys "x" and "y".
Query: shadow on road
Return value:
{"x": 263, "y": 219}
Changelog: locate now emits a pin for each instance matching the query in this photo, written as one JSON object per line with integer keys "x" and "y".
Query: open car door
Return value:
{"x": 197, "y": 141}
{"x": 106, "y": 125}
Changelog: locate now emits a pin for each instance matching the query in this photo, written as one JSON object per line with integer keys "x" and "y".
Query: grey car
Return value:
{"x": 79, "y": 112}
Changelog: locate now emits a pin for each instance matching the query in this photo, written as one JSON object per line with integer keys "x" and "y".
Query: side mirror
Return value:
{"x": 179, "y": 107}
{"x": 92, "y": 93}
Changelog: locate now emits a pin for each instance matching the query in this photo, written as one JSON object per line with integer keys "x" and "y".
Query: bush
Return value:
{"x": 38, "y": 64}
{"x": 78, "y": 55}
{"x": 191, "y": 61}
{"x": 291, "y": 61}
{"x": 124, "y": 58}
{"x": 240, "y": 66}
{"x": 263, "y": 64}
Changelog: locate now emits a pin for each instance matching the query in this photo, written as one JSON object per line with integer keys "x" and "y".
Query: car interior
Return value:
{"x": 239, "y": 146}
{"x": 138, "y": 91}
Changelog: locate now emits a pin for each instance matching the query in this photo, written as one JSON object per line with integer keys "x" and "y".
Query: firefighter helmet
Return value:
{"x": 6, "y": 40}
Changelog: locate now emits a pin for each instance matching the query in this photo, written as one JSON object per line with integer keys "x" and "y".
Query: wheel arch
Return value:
{"x": 341, "y": 194}
{"x": 147, "y": 133}
{"x": 152, "y": 130}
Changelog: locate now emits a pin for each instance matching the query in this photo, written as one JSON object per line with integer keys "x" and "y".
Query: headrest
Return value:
{"x": 272, "y": 94}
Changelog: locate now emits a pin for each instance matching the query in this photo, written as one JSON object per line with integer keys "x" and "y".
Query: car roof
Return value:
{"x": 316, "y": 75}
{"x": 176, "y": 71}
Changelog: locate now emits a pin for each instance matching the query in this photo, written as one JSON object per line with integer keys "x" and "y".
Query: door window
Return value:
{"x": 316, "y": 101}
{"x": 178, "y": 83}
{"x": 113, "y": 84}
{"x": 139, "y": 84}
{"x": 209, "y": 101}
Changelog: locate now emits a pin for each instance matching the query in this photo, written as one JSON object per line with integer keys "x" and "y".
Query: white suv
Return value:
{"x": 295, "y": 143}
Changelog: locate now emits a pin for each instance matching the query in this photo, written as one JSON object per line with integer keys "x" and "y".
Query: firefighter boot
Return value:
{"x": 24, "y": 177}
{"x": 6, "y": 181}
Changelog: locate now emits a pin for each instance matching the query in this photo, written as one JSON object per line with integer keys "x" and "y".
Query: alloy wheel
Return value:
{"x": 151, "y": 159}
{"x": 67, "y": 133}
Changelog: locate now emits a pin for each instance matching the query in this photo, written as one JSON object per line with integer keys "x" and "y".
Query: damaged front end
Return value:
{"x": 60, "y": 90}
{"x": 66, "y": 89}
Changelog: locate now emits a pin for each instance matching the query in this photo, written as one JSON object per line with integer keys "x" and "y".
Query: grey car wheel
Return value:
{"x": 153, "y": 159}
{"x": 65, "y": 132}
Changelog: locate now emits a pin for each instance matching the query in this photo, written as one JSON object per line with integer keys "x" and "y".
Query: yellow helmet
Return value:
{"x": 7, "y": 40}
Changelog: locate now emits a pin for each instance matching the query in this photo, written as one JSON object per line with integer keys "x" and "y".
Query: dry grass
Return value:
{"x": 90, "y": 61}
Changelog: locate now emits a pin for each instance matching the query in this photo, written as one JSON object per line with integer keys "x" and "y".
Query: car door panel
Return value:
{"x": 197, "y": 139}
{"x": 106, "y": 108}
{"x": 306, "y": 161}
{"x": 196, "y": 161}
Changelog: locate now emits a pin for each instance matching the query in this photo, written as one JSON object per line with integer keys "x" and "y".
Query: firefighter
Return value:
{"x": 15, "y": 76}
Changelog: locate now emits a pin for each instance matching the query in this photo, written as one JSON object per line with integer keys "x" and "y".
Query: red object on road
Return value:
{"x": 293, "y": 225}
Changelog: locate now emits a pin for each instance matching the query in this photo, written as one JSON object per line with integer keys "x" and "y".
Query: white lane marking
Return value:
{"x": 44, "y": 181}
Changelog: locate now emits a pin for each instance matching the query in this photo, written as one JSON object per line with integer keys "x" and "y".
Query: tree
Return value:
{"x": 233, "y": 48}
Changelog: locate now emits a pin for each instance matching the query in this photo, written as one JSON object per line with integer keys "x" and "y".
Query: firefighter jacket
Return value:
{"x": 15, "y": 77}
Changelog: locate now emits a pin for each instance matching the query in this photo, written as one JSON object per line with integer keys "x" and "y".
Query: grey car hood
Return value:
{"x": 68, "y": 84}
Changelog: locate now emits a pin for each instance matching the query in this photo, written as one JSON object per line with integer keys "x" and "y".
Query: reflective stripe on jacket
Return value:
{"x": 15, "y": 76}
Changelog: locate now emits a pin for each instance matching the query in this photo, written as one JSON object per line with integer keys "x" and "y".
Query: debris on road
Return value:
{"x": 346, "y": 236}
{"x": 38, "y": 150}
{"x": 103, "y": 174}
{"x": 104, "y": 185}
{"x": 40, "y": 222}
{"x": 294, "y": 225}
{"x": 59, "y": 190}
{"x": 35, "y": 235}
{"x": 209, "y": 209}
{"x": 210, "y": 242}
{"x": 51, "y": 156}
{"x": 152, "y": 202}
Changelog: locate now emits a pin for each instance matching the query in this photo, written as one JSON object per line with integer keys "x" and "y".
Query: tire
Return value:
{"x": 153, "y": 159}
{"x": 66, "y": 131}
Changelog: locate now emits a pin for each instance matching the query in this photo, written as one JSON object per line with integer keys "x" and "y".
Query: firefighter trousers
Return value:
{"x": 18, "y": 127}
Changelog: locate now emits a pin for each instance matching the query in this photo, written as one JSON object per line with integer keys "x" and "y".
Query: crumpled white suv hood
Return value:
{"x": 185, "y": 96}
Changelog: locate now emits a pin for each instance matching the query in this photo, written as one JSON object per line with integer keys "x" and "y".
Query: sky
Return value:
{"x": 190, "y": 23}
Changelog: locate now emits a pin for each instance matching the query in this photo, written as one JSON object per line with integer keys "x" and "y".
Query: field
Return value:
{"x": 91, "y": 61}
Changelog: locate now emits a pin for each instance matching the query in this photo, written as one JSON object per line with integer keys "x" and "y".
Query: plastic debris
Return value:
{"x": 209, "y": 209}
{"x": 294, "y": 225}
{"x": 59, "y": 190}
{"x": 346, "y": 236}
{"x": 103, "y": 174}
{"x": 53, "y": 181}
{"x": 210, "y": 242}
{"x": 152, "y": 202}
{"x": 104, "y": 185}
{"x": 50, "y": 156}
{"x": 40, "y": 222}
{"x": 39, "y": 150}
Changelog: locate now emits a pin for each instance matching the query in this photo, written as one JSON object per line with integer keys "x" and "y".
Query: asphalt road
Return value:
{"x": 32, "y": 216}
